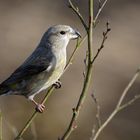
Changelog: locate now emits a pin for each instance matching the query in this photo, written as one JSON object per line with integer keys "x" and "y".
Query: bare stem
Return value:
{"x": 79, "y": 43}
{"x": 103, "y": 41}
{"x": 98, "y": 118}
{"x": 85, "y": 88}
{"x": 119, "y": 107}
{"x": 76, "y": 10}
{"x": 136, "y": 97}
{"x": 128, "y": 87}
{"x": 99, "y": 11}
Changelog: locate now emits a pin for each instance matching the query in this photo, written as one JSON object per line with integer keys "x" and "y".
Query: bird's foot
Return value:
{"x": 57, "y": 84}
{"x": 40, "y": 108}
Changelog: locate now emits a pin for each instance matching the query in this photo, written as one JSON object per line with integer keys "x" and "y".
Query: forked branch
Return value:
{"x": 119, "y": 106}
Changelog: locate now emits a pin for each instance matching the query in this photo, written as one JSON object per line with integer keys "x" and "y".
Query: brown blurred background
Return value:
{"x": 22, "y": 23}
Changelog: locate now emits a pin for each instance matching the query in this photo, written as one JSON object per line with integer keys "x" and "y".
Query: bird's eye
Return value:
{"x": 62, "y": 32}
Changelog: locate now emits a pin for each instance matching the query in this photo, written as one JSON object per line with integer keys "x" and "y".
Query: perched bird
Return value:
{"x": 43, "y": 67}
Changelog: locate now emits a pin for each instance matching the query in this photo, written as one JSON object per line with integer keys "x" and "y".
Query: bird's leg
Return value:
{"x": 57, "y": 84}
{"x": 39, "y": 107}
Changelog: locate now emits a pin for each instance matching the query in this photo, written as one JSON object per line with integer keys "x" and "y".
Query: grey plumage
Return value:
{"x": 43, "y": 67}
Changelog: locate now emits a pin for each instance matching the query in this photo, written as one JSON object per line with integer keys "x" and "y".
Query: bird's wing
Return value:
{"x": 38, "y": 62}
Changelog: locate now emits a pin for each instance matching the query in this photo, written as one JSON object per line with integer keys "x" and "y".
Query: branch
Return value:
{"x": 120, "y": 107}
{"x": 76, "y": 10}
{"x": 99, "y": 11}
{"x": 97, "y": 110}
{"x": 79, "y": 43}
{"x": 136, "y": 97}
{"x": 103, "y": 41}
{"x": 128, "y": 87}
{"x": 76, "y": 110}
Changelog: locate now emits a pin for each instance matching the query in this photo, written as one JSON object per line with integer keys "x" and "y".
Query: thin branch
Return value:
{"x": 99, "y": 11}
{"x": 76, "y": 10}
{"x": 98, "y": 118}
{"x": 93, "y": 132}
{"x": 119, "y": 107}
{"x": 136, "y": 97}
{"x": 82, "y": 97}
{"x": 90, "y": 32}
{"x": 103, "y": 41}
{"x": 78, "y": 44}
{"x": 127, "y": 88}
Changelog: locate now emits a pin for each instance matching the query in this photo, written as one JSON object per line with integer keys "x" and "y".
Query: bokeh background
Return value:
{"x": 22, "y": 23}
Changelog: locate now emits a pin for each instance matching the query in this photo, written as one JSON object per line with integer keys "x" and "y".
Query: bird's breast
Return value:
{"x": 60, "y": 63}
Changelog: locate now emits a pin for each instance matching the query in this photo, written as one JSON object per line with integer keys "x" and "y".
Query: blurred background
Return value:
{"x": 22, "y": 23}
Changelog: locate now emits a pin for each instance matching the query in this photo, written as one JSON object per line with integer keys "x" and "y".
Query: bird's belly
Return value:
{"x": 50, "y": 79}
{"x": 45, "y": 79}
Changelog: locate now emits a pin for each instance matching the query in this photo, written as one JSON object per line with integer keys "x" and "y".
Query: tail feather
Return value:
{"x": 3, "y": 89}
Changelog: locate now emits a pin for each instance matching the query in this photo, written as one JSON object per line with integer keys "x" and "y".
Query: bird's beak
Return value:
{"x": 75, "y": 34}
{"x": 78, "y": 34}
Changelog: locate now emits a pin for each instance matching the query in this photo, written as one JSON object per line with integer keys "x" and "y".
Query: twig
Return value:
{"x": 97, "y": 110}
{"x": 81, "y": 100}
{"x": 128, "y": 87}
{"x": 78, "y": 44}
{"x": 103, "y": 41}
{"x": 119, "y": 107}
{"x": 136, "y": 97}
{"x": 93, "y": 132}
{"x": 99, "y": 11}
{"x": 76, "y": 10}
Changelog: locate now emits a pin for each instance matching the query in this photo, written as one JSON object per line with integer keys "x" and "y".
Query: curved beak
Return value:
{"x": 78, "y": 33}
{"x": 74, "y": 34}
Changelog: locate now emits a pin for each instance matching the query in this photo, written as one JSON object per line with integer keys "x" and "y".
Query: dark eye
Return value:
{"x": 62, "y": 32}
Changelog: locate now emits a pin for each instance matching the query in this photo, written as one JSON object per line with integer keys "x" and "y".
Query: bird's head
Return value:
{"x": 60, "y": 35}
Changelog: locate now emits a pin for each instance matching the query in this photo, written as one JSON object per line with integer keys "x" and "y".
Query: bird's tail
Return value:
{"x": 3, "y": 90}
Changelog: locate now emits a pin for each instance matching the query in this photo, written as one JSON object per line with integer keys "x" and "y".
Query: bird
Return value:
{"x": 43, "y": 67}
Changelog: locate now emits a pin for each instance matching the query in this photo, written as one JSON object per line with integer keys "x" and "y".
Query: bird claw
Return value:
{"x": 40, "y": 108}
{"x": 57, "y": 84}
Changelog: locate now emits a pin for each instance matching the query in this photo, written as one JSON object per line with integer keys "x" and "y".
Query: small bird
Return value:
{"x": 43, "y": 67}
